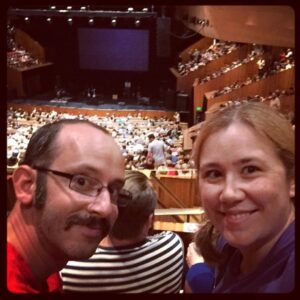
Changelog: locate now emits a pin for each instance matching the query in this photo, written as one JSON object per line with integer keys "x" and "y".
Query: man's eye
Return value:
{"x": 80, "y": 180}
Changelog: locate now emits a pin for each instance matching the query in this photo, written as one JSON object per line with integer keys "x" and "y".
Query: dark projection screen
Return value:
{"x": 113, "y": 49}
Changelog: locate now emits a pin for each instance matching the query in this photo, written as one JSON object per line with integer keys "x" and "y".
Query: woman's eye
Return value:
{"x": 212, "y": 174}
{"x": 250, "y": 169}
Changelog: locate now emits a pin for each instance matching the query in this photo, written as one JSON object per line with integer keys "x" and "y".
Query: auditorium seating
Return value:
{"x": 222, "y": 79}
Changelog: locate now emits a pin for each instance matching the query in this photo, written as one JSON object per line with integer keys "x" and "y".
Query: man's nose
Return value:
{"x": 101, "y": 204}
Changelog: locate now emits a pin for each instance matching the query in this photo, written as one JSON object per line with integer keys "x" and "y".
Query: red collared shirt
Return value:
{"x": 20, "y": 278}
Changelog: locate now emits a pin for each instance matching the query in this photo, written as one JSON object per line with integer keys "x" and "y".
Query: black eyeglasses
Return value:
{"x": 92, "y": 187}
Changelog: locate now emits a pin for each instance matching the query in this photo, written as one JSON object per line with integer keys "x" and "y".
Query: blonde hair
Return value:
{"x": 260, "y": 117}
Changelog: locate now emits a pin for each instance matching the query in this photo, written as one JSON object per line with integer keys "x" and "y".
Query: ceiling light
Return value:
{"x": 114, "y": 22}
{"x": 137, "y": 22}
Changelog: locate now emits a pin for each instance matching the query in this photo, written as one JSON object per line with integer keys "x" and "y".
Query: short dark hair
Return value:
{"x": 151, "y": 136}
{"x": 41, "y": 151}
{"x": 134, "y": 216}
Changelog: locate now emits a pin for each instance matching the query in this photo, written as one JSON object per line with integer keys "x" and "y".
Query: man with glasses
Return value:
{"x": 129, "y": 259}
{"x": 67, "y": 192}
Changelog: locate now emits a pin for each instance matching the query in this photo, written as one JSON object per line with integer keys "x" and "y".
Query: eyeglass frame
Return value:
{"x": 122, "y": 197}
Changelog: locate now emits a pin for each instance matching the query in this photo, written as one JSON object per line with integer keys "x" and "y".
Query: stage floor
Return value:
{"x": 94, "y": 103}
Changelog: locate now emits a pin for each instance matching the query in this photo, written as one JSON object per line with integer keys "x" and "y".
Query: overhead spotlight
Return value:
{"x": 69, "y": 7}
{"x": 137, "y": 22}
{"x": 26, "y": 19}
{"x": 52, "y": 7}
{"x": 91, "y": 21}
{"x": 114, "y": 22}
{"x": 49, "y": 20}
{"x": 83, "y": 8}
{"x": 70, "y": 21}
{"x": 130, "y": 9}
{"x": 145, "y": 9}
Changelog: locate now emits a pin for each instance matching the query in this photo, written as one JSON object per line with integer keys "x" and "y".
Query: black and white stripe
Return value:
{"x": 155, "y": 266}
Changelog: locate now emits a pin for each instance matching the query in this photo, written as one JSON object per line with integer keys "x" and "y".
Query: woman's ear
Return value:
{"x": 292, "y": 188}
{"x": 24, "y": 182}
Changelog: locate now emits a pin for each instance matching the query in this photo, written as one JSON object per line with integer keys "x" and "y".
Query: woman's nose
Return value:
{"x": 231, "y": 191}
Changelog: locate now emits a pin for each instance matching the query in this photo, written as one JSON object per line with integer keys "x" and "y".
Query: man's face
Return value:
{"x": 72, "y": 224}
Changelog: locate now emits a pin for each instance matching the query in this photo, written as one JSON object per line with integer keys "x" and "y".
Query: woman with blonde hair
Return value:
{"x": 245, "y": 160}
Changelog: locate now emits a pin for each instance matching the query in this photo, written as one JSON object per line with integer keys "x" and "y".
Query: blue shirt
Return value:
{"x": 275, "y": 273}
{"x": 200, "y": 278}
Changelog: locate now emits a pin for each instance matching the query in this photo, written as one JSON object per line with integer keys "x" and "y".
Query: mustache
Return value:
{"x": 88, "y": 220}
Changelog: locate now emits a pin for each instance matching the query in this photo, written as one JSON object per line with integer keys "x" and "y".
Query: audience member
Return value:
{"x": 247, "y": 189}
{"x": 200, "y": 276}
{"x": 275, "y": 101}
{"x": 66, "y": 202}
{"x": 157, "y": 149}
{"x": 171, "y": 170}
{"x": 176, "y": 117}
{"x": 201, "y": 58}
{"x": 129, "y": 260}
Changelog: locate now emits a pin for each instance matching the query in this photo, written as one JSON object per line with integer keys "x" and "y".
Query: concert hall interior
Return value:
{"x": 160, "y": 70}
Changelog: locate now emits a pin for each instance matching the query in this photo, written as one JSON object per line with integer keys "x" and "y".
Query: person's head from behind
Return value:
{"x": 136, "y": 218}
{"x": 149, "y": 163}
{"x": 245, "y": 160}
{"x": 68, "y": 186}
{"x": 151, "y": 137}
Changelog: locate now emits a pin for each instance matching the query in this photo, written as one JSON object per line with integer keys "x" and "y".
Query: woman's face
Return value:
{"x": 243, "y": 187}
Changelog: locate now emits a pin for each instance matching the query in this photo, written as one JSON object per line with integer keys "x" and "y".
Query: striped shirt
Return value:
{"x": 153, "y": 266}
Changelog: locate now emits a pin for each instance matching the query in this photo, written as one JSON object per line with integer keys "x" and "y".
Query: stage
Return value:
{"x": 93, "y": 103}
{"x": 76, "y": 108}
{"x": 101, "y": 106}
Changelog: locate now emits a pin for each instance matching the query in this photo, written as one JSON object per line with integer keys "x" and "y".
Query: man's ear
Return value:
{"x": 24, "y": 181}
{"x": 151, "y": 222}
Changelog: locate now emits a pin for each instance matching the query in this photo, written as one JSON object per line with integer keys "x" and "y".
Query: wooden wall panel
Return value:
{"x": 287, "y": 104}
{"x": 262, "y": 24}
{"x": 183, "y": 188}
{"x": 203, "y": 43}
{"x": 282, "y": 80}
{"x": 15, "y": 81}
{"x": 239, "y": 73}
{"x": 29, "y": 44}
{"x": 30, "y": 80}
{"x": 185, "y": 83}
